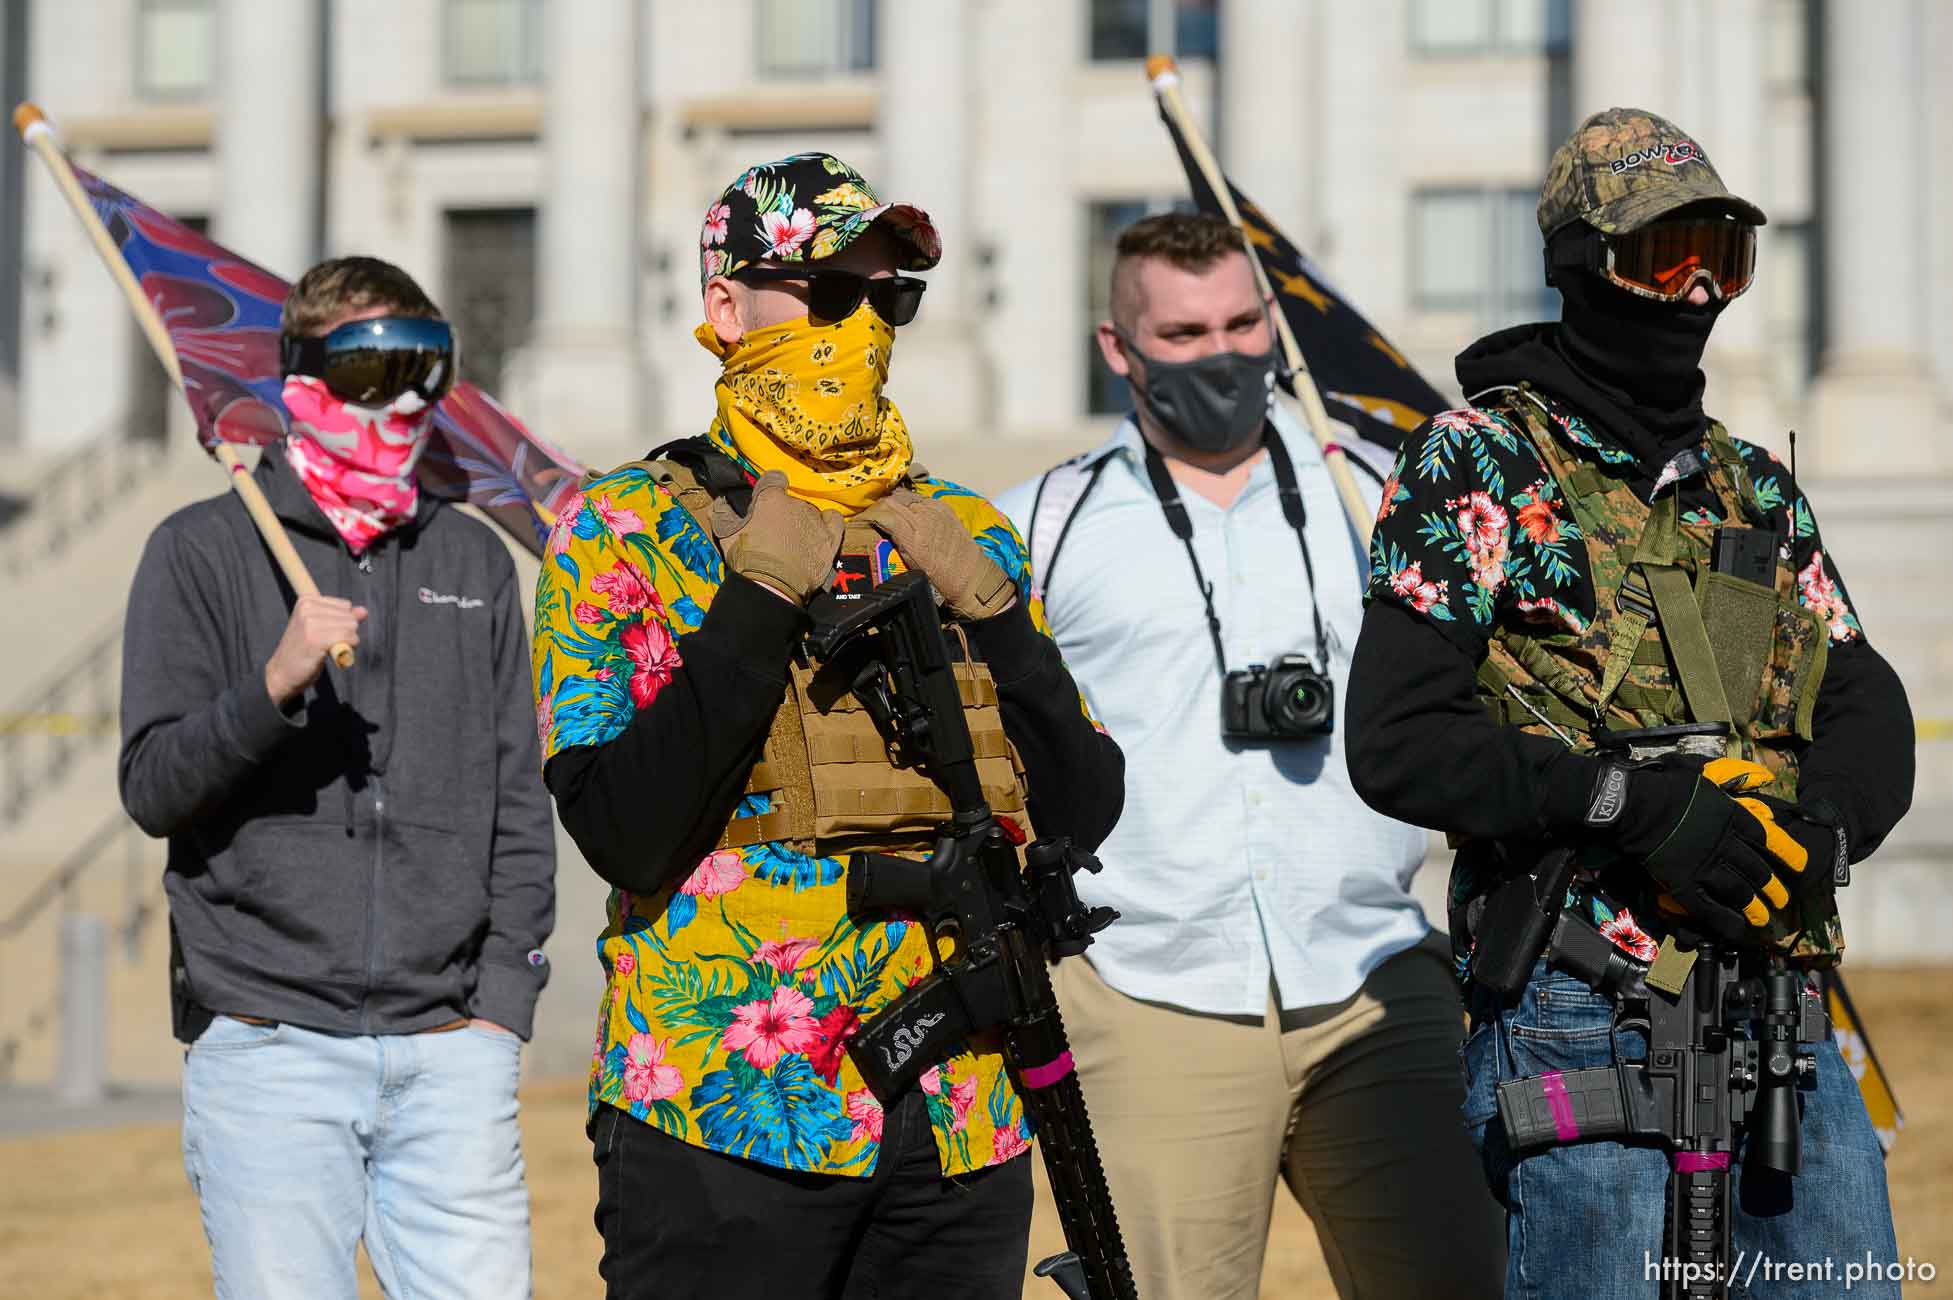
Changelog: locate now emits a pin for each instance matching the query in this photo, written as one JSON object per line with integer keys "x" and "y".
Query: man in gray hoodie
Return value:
{"x": 361, "y": 861}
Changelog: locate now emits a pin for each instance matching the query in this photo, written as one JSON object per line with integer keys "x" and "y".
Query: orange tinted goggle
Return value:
{"x": 1665, "y": 260}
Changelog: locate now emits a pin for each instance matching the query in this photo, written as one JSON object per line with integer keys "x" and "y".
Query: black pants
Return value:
{"x": 679, "y": 1221}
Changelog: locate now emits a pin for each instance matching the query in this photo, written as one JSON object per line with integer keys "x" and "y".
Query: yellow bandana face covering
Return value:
{"x": 807, "y": 400}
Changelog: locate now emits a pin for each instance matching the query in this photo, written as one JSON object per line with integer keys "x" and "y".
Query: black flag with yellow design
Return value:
{"x": 1856, "y": 1047}
{"x": 1364, "y": 381}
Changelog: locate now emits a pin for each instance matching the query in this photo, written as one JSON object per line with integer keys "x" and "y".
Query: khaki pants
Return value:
{"x": 1354, "y": 1106}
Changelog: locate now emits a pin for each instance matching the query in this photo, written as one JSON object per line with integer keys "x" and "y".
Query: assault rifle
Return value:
{"x": 1007, "y": 922}
{"x": 1698, "y": 1088}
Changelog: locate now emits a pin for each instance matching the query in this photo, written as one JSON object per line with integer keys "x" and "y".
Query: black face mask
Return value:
{"x": 1645, "y": 355}
{"x": 1213, "y": 404}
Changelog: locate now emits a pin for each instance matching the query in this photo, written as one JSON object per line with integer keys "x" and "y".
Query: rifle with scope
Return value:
{"x": 1007, "y": 920}
{"x": 1726, "y": 1054}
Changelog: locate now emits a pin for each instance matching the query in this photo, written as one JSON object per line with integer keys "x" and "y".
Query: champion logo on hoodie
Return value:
{"x": 428, "y": 596}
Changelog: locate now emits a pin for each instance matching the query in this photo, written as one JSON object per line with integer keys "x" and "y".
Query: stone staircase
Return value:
{"x": 65, "y": 848}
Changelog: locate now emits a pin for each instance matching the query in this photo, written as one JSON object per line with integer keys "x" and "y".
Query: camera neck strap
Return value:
{"x": 1290, "y": 494}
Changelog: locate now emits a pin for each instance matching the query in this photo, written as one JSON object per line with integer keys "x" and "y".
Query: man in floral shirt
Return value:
{"x": 739, "y": 1151}
{"x": 1522, "y": 557}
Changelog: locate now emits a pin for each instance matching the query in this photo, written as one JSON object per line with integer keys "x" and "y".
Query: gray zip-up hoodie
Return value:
{"x": 381, "y": 859}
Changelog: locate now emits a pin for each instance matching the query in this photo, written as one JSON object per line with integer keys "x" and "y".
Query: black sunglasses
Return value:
{"x": 834, "y": 295}
{"x": 369, "y": 362}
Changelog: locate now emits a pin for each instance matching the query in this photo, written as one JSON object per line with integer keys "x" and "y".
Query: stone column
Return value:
{"x": 941, "y": 377}
{"x": 13, "y": 245}
{"x": 1358, "y": 56}
{"x": 1031, "y": 217}
{"x": 1614, "y": 63}
{"x": 1939, "y": 54}
{"x": 1877, "y": 411}
{"x": 1733, "y": 133}
{"x": 581, "y": 376}
{"x": 1267, "y": 130}
{"x": 268, "y": 132}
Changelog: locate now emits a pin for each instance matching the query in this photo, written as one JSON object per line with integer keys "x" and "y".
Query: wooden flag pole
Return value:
{"x": 39, "y": 136}
{"x": 1165, "y": 78}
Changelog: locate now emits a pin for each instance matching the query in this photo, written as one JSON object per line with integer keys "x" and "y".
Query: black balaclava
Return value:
{"x": 1644, "y": 356}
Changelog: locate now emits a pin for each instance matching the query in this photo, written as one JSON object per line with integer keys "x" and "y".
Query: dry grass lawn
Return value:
{"x": 109, "y": 1213}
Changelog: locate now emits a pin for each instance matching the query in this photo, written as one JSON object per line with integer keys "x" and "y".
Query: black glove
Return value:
{"x": 1707, "y": 851}
{"x": 1807, "y": 839}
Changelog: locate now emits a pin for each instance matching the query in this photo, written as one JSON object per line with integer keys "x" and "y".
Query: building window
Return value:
{"x": 1134, "y": 29}
{"x": 491, "y": 287}
{"x": 1450, "y": 28}
{"x": 816, "y": 38}
{"x": 1477, "y": 251}
{"x": 1786, "y": 47}
{"x": 494, "y": 42}
{"x": 174, "y": 48}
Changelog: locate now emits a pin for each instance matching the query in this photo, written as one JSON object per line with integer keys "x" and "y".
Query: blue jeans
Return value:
{"x": 301, "y": 1144}
{"x": 1586, "y": 1219}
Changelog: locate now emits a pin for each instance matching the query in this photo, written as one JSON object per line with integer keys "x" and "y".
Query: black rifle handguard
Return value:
{"x": 1008, "y": 918}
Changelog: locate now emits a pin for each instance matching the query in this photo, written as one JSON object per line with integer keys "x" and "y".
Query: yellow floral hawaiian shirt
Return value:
{"x": 730, "y": 994}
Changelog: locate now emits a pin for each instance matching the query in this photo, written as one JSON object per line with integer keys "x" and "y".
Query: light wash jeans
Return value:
{"x": 301, "y": 1144}
{"x": 1586, "y": 1220}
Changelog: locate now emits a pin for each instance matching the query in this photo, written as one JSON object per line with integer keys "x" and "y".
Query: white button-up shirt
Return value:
{"x": 1233, "y": 862}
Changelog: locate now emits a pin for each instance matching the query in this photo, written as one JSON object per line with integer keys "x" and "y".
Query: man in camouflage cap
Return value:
{"x": 1583, "y": 551}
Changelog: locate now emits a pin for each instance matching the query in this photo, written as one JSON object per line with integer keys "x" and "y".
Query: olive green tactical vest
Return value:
{"x": 833, "y": 782}
{"x": 1671, "y": 641}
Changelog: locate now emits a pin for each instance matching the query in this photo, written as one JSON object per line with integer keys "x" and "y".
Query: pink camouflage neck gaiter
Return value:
{"x": 357, "y": 461}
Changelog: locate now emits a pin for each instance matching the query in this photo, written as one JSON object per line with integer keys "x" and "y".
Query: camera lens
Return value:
{"x": 1300, "y": 702}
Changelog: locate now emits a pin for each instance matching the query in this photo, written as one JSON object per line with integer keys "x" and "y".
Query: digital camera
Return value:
{"x": 1285, "y": 700}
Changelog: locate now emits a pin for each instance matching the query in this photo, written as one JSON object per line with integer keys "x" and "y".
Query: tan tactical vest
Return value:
{"x": 1671, "y": 641}
{"x": 832, "y": 783}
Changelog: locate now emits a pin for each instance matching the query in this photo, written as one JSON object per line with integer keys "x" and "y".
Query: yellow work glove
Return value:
{"x": 1807, "y": 837}
{"x": 780, "y": 542}
{"x": 1738, "y": 777}
{"x": 934, "y": 541}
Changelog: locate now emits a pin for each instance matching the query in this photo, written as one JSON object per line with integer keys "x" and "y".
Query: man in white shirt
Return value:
{"x": 1272, "y": 1002}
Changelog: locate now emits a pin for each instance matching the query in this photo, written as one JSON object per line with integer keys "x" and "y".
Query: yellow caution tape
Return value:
{"x": 57, "y": 724}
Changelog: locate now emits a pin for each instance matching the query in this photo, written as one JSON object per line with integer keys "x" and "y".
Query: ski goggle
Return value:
{"x": 371, "y": 362}
{"x": 834, "y": 295}
{"x": 1665, "y": 260}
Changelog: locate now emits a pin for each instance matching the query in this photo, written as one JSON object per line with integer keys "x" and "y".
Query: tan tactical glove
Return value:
{"x": 933, "y": 540}
{"x": 781, "y": 541}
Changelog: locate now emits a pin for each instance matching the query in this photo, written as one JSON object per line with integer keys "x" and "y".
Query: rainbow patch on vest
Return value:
{"x": 885, "y": 562}
{"x": 857, "y": 574}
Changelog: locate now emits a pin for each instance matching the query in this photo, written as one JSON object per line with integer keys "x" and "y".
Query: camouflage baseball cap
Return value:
{"x": 801, "y": 209}
{"x": 1624, "y": 168}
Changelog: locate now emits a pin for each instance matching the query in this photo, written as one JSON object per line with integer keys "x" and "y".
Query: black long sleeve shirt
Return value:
{"x": 1423, "y": 748}
{"x": 641, "y": 818}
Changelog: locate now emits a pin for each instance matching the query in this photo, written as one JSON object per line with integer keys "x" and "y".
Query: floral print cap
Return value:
{"x": 801, "y": 209}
